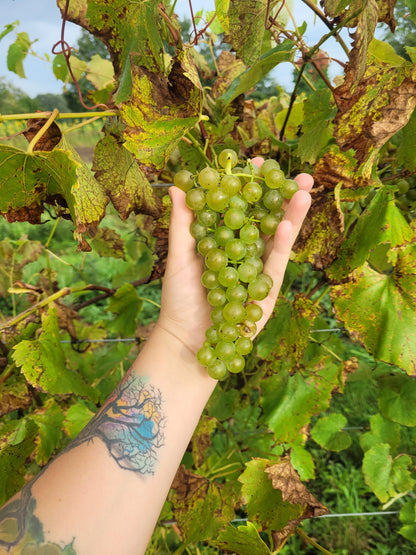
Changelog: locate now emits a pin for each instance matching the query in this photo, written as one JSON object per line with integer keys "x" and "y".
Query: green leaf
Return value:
{"x": 100, "y": 72}
{"x": 17, "y": 52}
{"x": 397, "y": 399}
{"x": 284, "y": 52}
{"x": 382, "y": 431}
{"x": 327, "y": 432}
{"x": 377, "y": 466}
{"x": 319, "y": 111}
{"x": 49, "y": 420}
{"x": 387, "y": 225}
{"x": 408, "y": 517}
{"x": 43, "y": 363}
{"x": 244, "y": 540}
{"x": 406, "y": 152}
{"x": 61, "y": 71}
{"x": 76, "y": 418}
{"x": 385, "y": 53}
{"x": 380, "y": 310}
{"x": 302, "y": 462}
{"x": 14, "y": 255}
{"x": 162, "y": 110}
{"x": 127, "y": 305}
{"x": 108, "y": 243}
{"x": 222, "y": 404}
{"x": 8, "y": 28}
{"x": 122, "y": 179}
{"x": 12, "y": 459}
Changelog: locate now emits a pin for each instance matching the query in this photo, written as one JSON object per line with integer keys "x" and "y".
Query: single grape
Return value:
{"x": 207, "y": 217}
{"x": 248, "y": 328}
{"x": 209, "y": 279}
{"x": 228, "y": 276}
{"x": 235, "y": 249}
{"x": 215, "y": 259}
{"x": 217, "y": 315}
{"x": 267, "y": 279}
{"x": 228, "y": 331}
{"x": 195, "y": 199}
{"x": 230, "y": 184}
{"x": 217, "y": 370}
{"x": 238, "y": 201}
{"x": 249, "y": 233}
{"x": 225, "y": 350}
{"x": 216, "y": 297}
{"x": 205, "y": 244}
{"x": 208, "y": 178}
{"x": 234, "y": 218}
{"x": 251, "y": 250}
{"x": 258, "y": 289}
{"x": 205, "y": 355}
{"x": 274, "y": 178}
{"x": 261, "y": 246}
{"x": 289, "y": 188}
{"x": 254, "y": 312}
{"x": 236, "y": 364}
{"x": 234, "y": 312}
{"x": 227, "y": 156}
{"x": 223, "y": 234}
{"x": 269, "y": 223}
{"x": 217, "y": 199}
{"x": 197, "y": 230}
{"x": 256, "y": 262}
{"x": 183, "y": 179}
{"x": 273, "y": 199}
{"x": 236, "y": 294}
{"x": 212, "y": 335}
{"x": 258, "y": 212}
{"x": 243, "y": 345}
{"x": 269, "y": 164}
{"x": 247, "y": 272}
{"x": 252, "y": 172}
{"x": 252, "y": 192}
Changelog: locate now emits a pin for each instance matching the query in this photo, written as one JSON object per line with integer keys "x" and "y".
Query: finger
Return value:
{"x": 297, "y": 209}
{"x": 305, "y": 181}
{"x": 181, "y": 242}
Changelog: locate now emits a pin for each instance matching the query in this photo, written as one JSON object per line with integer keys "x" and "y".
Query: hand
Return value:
{"x": 185, "y": 311}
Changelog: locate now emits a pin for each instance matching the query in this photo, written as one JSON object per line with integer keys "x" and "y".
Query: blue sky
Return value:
{"x": 41, "y": 20}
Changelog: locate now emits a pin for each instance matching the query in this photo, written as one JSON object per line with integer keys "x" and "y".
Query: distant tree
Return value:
{"x": 49, "y": 101}
{"x": 405, "y": 33}
{"x": 13, "y": 100}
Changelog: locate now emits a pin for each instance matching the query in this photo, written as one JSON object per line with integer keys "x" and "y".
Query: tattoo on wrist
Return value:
{"x": 131, "y": 425}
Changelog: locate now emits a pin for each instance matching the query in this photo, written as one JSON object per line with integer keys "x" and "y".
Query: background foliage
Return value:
{"x": 324, "y": 417}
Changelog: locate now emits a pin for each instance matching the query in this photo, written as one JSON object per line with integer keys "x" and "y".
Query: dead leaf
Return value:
{"x": 186, "y": 484}
{"x": 49, "y": 139}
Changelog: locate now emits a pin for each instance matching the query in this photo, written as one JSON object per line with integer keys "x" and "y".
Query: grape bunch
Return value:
{"x": 234, "y": 208}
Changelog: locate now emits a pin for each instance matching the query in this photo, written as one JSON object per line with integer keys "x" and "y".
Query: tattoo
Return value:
{"x": 130, "y": 424}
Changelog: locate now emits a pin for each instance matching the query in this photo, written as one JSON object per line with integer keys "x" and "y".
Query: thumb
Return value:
{"x": 181, "y": 242}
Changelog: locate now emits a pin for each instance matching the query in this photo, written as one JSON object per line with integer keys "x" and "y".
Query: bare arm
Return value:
{"x": 104, "y": 493}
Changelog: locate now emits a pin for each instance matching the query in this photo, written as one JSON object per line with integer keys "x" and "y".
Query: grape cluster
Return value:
{"x": 233, "y": 207}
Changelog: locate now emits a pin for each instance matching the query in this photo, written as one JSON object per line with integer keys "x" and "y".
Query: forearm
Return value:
{"x": 105, "y": 492}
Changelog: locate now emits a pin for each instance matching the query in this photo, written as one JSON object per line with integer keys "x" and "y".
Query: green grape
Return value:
{"x": 217, "y": 370}
{"x": 215, "y": 259}
{"x": 208, "y": 178}
{"x": 231, "y": 185}
{"x": 225, "y": 350}
{"x": 254, "y": 312}
{"x": 252, "y": 172}
{"x": 227, "y": 156}
{"x": 273, "y": 199}
{"x": 267, "y": 279}
{"x": 261, "y": 246}
{"x": 269, "y": 164}
{"x": 228, "y": 331}
{"x": 223, "y": 234}
{"x": 216, "y": 297}
{"x": 205, "y": 355}
{"x": 274, "y": 178}
{"x": 243, "y": 345}
{"x": 205, "y": 244}
{"x": 208, "y": 217}
{"x": 258, "y": 212}
{"x": 252, "y": 191}
{"x": 235, "y": 364}
{"x": 212, "y": 335}
{"x": 209, "y": 279}
{"x": 256, "y": 262}
{"x": 402, "y": 186}
{"x": 195, "y": 199}
{"x": 249, "y": 233}
{"x": 247, "y": 272}
{"x": 248, "y": 328}
{"x": 258, "y": 289}
{"x": 251, "y": 250}
{"x": 236, "y": 294}
{"x": 289, "y": 188}
{"x": 217, "y": 199}
{"x": 235, "y": 249}
{"x": 234, "y": 218}
{"x": 183, "y": 179}
{"x": 234, "y": 312}
{"x": 217, "y": 315}
{"x": 197, "y": 230}
{"x": 238, "y": 201}
{"x": 228, "y": 276}
{"x": 269, "y": 223}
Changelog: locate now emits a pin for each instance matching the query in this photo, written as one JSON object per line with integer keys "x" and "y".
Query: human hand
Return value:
{"x": 185, "y": 312}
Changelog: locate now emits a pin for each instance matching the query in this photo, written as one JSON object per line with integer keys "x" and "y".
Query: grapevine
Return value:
{"x": 235, "y": 208}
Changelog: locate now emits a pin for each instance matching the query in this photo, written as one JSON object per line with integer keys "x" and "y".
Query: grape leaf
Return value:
{"x": 382, "y": 431}
{"x": 42, "y": 361}
{"x": 408, "y": 517}
{"x": 61, "y": 71}
{"x": 49, "y": 420}
{"x": 244, "y": 540}
{"x": 107, "y": 242}
{"x": 328, "y": 433}
{"x": 302, "y": 462}
{"x": 397, "y": 399}
{"x": 14, "y": 255}
{"x": 8, "y": 28}
{"x": 17, "y": 52}
{"x": 379, "y": 310}
{"x": 406, "y": 152}
{"x": 76, "y": 418}
{"x": 126, "y": 304}
{"x": 100, "y": 72}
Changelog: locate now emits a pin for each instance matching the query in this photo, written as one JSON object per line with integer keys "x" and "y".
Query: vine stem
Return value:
{"x": 66, "y": 115}
{"x": 312, "y": 542}
{"x": 42, "y": 131}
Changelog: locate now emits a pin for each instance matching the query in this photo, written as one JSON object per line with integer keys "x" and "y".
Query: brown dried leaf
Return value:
{"x": 201, "y": 439}
{"x": 186, "y": 484}
{"x": 14, "y": 397}
{"x": 49, "y": 139}
{"x": 229, "y": 67}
